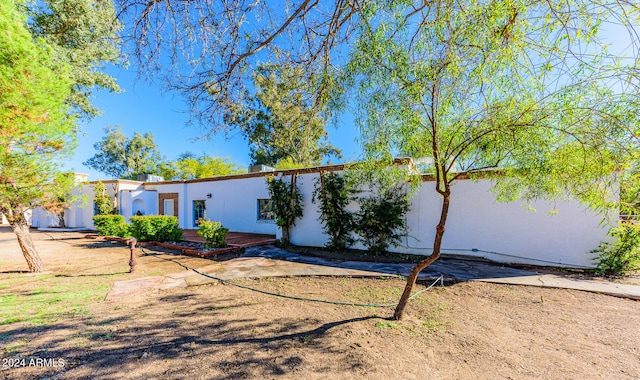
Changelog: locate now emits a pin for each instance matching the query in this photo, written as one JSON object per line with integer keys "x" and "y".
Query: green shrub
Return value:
{"x": 102, "y": 200}
{"x": 381, "y": 220}
{"x": 155, "y": 228}
{"x": 621, "y": 256}
{"x": 214, "y": 234}
{"x": 111, "y": 225}
{"x": 287, "y": 204}
{"x": 333, "y": 195}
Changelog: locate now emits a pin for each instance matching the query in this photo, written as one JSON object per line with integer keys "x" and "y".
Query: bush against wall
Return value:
{"x": 111, "y": 225}
{"x": 155, "y": 228}
{"x": 214, "y": 234}
{"x": 287, "y": 203}
{"x": 381, "y": 220}
{"x": 333, "y": 195}
{"x": 102, "y": 200}
{"x": 385, "y": 189}
{"x": 623, "y": 255}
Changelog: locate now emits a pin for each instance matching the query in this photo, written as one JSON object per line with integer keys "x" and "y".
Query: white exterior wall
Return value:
{"x": 234, "y": 203}
{"x": 80, "y": 214}
{"x": 308, "y": 230}
{"x": 477, "y": 221}
{"x": 42, "y": 218}
{"x": 132, "y": 201}
{"x": 180, "y": 189}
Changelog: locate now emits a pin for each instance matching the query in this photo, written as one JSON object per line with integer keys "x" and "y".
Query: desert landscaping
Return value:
{"x": 466, "y": 330}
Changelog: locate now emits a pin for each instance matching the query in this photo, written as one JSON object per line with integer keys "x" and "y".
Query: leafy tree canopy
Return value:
{"x": 526, "y": 88}
{"x": 190, "y": 166}
{"x": 81, "y": 33}
{"x": 505, "y": 86}
{"x": 284, "y": 120}
{"x": 41, "y": 91}
{"x": 35, "y": 127}
{"x": 209, "y": 49}
{"x": 120, "y": 157}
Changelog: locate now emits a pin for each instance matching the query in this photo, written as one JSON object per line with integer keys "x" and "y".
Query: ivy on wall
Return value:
{"x": 287, "y": 203}
{"x": 333, "y": 195}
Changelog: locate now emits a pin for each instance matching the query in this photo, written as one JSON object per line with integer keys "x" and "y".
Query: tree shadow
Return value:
{"x": 215, "y": 346}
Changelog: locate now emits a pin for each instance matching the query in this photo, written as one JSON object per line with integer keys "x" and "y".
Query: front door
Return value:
{"x": 199, "y": 212}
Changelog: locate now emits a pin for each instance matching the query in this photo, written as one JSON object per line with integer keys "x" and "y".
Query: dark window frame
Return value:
{"x": 265, "y": 210}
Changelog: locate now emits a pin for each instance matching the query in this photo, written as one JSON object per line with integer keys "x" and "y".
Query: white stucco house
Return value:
{"x": 477, "y": 224}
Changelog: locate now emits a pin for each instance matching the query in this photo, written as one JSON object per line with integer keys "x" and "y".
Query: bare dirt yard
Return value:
{"x": 58, "y": 325}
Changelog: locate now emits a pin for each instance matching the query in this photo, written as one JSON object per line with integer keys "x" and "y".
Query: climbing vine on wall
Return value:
{"x": 381, "y": 220}
{"x": 332, "y": 195}
{"x": 287, "y": 203}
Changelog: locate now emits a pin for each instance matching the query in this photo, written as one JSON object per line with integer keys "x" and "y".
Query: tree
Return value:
{"x": 39, "y": 93}
{"x": 123, "y": 158}
{"x": 57, "y": 198}
{"x": 190, "y": 166}
{"x": 494, "y": 86}
{"x": 83, "y": 33}
{"x": 284, "y": 121}
{"x": 287, "y": 204}
{"x": 526, "y": 89}
{"x": 102, "y": 201}
{"x": 333, "y": 195}
{"x": 225, "y": 48}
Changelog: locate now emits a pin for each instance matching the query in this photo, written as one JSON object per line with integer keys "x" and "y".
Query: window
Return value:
{"x": 168, "y": 207}
{"x": 264, "y": 210}
{"x": 96, "y": 210}
{"x": 199, "y": 212}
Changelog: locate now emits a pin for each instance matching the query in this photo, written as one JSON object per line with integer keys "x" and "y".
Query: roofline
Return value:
{"x": 110, "y": 181}
{"x": 313, "y": 169}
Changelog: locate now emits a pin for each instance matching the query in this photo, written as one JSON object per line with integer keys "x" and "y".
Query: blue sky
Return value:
{"x": 143, "y": 107}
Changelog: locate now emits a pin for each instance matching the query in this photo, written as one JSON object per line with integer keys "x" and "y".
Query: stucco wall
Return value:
{"x": 232, "y": 202}
{"x": 477, "y": 221}
{"x": 132, "y": 201}
{"x": 500, "y": 232}
{"x": 80, "y": 214}
{"x": 163, "y": 189}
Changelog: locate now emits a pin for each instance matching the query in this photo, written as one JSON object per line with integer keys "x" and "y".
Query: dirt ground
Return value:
{"x": 464, "y": 331}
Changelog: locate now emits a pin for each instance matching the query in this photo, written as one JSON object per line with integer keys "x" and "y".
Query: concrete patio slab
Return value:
{"x": 554, "y": 281}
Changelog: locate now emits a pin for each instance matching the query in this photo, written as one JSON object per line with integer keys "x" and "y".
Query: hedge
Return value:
{"x": 111, "y": 225}
{"x": 155, "y": 228}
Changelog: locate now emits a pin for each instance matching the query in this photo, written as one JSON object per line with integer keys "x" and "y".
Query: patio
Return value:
{"x": 235, "y": 239}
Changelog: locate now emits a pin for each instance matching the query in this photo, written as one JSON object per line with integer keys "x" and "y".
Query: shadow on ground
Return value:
{"x": 224, "y": 344}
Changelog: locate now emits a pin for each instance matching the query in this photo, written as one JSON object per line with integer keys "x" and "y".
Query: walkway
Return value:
{"x": 270, "y": 261}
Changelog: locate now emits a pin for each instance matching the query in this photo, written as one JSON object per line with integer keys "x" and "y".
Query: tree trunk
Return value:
{"x": 61, "y": 221}
{"x": 435, "y": 255}
{"x": 20, "y": 227}
{"x": 285, "y": 235}
{"x": 286, "y": 231}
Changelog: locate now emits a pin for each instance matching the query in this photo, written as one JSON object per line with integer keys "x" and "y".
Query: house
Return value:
{"x": 477, "y": 224}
